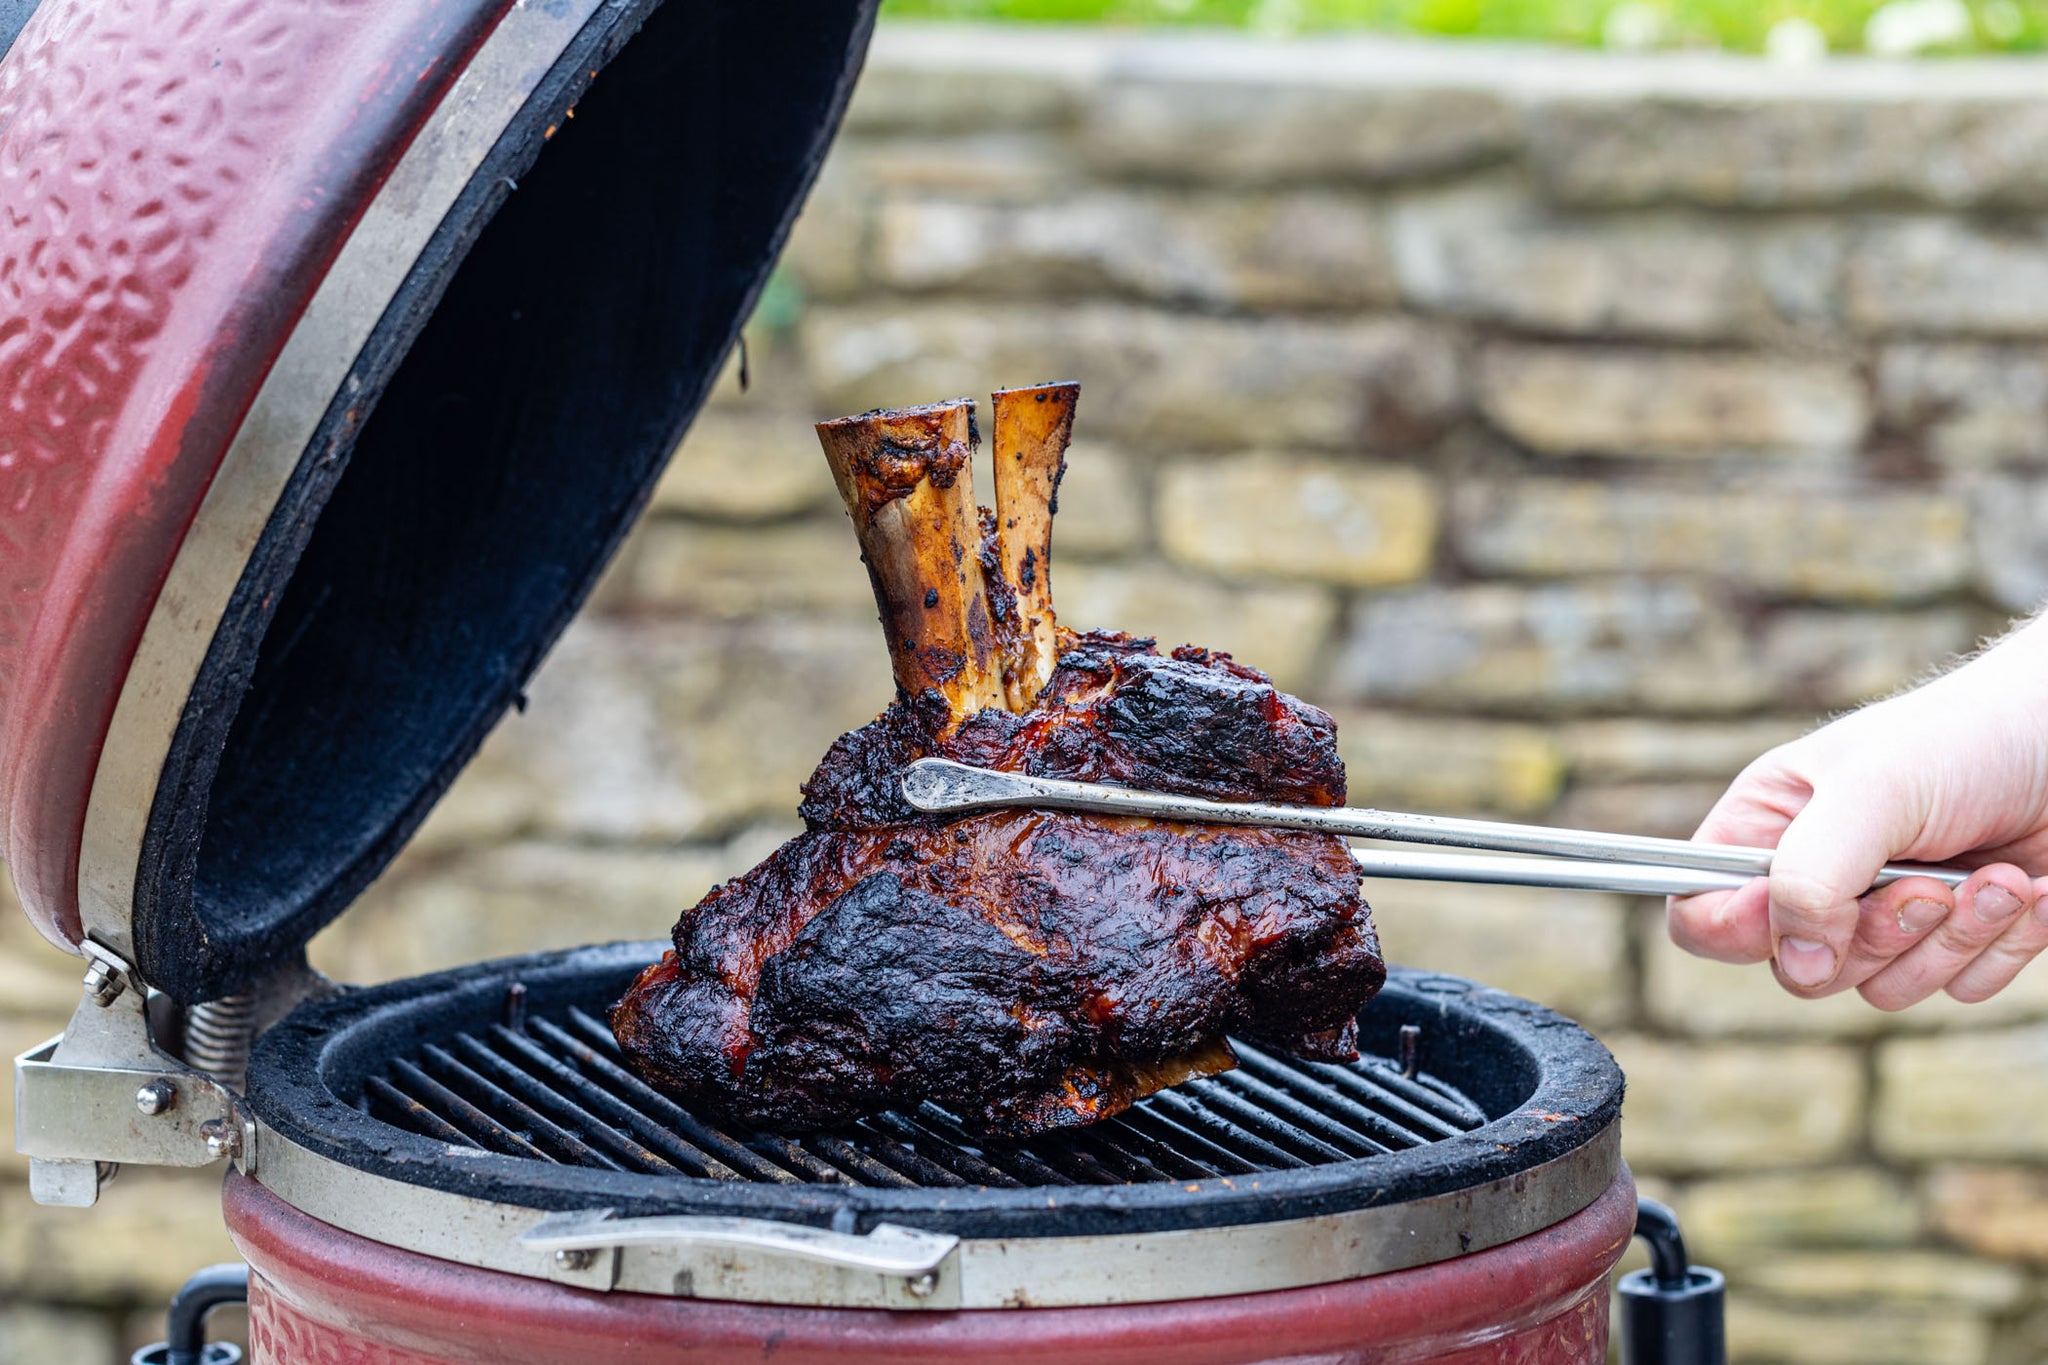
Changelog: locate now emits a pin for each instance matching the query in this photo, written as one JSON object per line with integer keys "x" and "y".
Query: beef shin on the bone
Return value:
{"x": 1025, "y": 970}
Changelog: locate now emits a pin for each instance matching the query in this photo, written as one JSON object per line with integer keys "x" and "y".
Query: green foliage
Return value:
{"x": 1739, "y": 25}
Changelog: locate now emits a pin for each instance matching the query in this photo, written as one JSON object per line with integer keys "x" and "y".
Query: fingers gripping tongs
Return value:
{"x": 1570, "y": 858}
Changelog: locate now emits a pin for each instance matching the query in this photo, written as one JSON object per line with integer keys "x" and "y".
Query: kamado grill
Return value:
{"x": 344, "y": 341}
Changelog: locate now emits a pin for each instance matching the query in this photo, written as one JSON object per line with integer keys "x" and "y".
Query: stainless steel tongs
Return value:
{"x": 1572, "y": 858}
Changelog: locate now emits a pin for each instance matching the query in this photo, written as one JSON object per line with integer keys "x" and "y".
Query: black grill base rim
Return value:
{"x": 1550, "y": 1087}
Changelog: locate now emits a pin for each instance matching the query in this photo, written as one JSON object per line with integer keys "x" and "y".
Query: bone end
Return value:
{"x": 1033, "y": 427}
{"x": 905, "y": 479}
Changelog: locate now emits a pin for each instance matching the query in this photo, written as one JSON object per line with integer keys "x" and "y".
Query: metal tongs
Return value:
{"x": 1571, "y": 858}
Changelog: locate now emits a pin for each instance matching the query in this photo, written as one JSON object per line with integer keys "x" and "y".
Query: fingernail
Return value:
{"x": 1920, "y": 914}
{"x": 1995, "y": 904}
{"x": 1805, "y": 962}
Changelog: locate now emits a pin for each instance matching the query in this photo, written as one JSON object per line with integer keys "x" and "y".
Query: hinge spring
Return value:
{"x": 218, "y": 1036}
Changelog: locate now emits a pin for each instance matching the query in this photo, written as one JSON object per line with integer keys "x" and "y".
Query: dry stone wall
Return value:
{"x": 1575, "y": 427}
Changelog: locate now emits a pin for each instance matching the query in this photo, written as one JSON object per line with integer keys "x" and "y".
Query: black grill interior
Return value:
{"x": 498, "y": 434}
{"x": 552, "y": 1086}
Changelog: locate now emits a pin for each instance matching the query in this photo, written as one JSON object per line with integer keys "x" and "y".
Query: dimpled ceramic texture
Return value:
{"x": 174, "y": 177}
{"x": 320, "y": 1295}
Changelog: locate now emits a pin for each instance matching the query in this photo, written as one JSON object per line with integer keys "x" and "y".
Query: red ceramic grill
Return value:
{"x": 343, "y": 341}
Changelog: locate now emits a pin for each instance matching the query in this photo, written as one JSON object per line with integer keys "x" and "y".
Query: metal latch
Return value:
{"x": 751, "y": 1258}
{"x": 103, "y": 1094}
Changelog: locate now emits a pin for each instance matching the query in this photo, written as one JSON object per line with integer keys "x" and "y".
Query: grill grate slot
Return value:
{"x": 855, "y": 1166}
{"x": 1161, "y": 1156}
{"x": 661, "y": 1109}
{"x": 554, "y": 1087}
{"x": 967, "y": 1166}
{"x": 597, "y": 1112}
{"x": 558, "y": 1142}
{"x": 1272, "y": 1128}
{"x": 411, "y": 1083}
{"x": 389, "y": 1103}
{"x": 1393, "y": 1095}
{"x": 1188, "y": 1143}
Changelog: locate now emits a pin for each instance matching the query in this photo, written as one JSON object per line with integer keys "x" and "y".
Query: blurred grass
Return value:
{"x": 1737, "y": 25}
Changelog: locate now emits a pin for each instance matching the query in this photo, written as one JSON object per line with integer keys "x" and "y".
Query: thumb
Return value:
{"x": 1827, "y": 858}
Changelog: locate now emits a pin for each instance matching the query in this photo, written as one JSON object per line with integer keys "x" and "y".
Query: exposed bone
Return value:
{"x": 905, "y": 479}
{"x": 1032, "y": 429}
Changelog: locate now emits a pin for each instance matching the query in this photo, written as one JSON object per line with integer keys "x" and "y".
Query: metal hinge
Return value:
{"x": 103, "y": 1094}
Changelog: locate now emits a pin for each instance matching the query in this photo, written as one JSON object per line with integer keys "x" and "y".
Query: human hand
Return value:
{"x": 1954, "y": 771}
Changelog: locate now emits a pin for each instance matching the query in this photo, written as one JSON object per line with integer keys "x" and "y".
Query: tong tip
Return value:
{"x": 936, "y": 785}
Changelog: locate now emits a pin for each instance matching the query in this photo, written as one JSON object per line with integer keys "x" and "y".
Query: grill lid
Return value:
{"x": 460, "y": 426}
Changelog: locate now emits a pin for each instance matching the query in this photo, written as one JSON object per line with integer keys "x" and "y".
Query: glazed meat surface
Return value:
{"x": 1026, "y": 970}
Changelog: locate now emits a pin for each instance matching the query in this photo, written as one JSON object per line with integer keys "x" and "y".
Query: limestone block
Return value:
{"x": 1940, "y": 275}
{"x": 746, "y": 465}
{"x": 150, "y": 1230}
{"x": 1001, "y": 163}
{"x": 1278, "y": 628}
{"x": 1487, "y": 251}
{"x": 1553, "y": 649}
{"x": 1102, "y": 505}
{"x": 1444, "y": 764}
{"x": 1715, "y": 999}
{"x": 38, "y": 981}
{"x": 1965, "y": 406}
{"x": 1889, "y": 1277}
{"x": 1963, "y": 1096}
{"x": 657, "y": 730}
{"x": 526, "y": 897}
{"x": 1765, "y": 1332}
{"x": 1997, "y": 1211}
{"x": 1270, "y": 515}
{"x": 1289, "y": 251}
{"x": 17, "y": 1035}
{"x": 1248, "y": 131}
{"x": 1378, "y": 383}
{"x": 1648, "y": 143}
{"x": 732, "y": 572}
{"x": 1630, "y": 749}
{"x": 929, "y": 97}
{"x": 1564, "y": 949}
{"x": 1713, "y": 1107}
{"x": 1847, "y": 544}
{"x": 1736, "y": 1218}
{"x": 2011, "y": 548}
{"x": 1710, "y": 999}
{"x": 1831, "y": 659}
{"x": 1668, "y": 810}
{"x": 1583, "y": 400}
{"x": 829, "y": 245}
{"x": 36, "y": 1335}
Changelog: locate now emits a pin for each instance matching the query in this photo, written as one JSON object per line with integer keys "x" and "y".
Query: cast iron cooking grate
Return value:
{"x": 555, "y": 1088}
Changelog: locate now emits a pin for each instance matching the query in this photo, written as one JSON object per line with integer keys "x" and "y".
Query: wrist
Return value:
{"x": 2005, "y": 685}
{"x": 2022, "y": 652}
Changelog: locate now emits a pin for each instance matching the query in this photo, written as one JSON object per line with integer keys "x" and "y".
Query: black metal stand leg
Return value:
{"x": 1672, "y": 1313}
{"x": 187, "y": 1344}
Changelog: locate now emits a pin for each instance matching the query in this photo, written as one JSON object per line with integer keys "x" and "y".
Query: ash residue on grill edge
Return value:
{"x": 553, "y": 1087}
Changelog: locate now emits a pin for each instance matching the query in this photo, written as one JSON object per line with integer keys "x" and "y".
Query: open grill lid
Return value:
{"x": 412, "y": 375}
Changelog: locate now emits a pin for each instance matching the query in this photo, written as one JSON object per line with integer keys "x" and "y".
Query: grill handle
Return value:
{"x": 186, "y": 1327}
{"x": 1672, "y": 1313}
{"x": 911, "y": 1255}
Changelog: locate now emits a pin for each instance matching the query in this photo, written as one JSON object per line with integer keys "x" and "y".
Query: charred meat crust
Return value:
{"x": 1023, "y": 968}
{"x": 1195, "y": 724}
